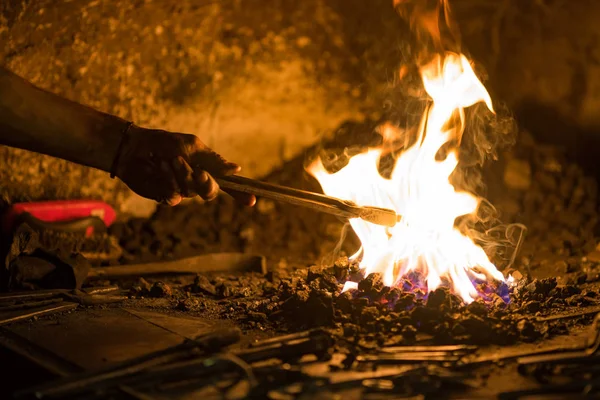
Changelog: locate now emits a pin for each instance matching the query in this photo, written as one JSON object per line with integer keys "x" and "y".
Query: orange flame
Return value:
{"x": 419, "y": 189}
{"x": 430, "y": 20}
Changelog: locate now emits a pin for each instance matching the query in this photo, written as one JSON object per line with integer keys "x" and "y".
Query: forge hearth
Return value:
{"x": 421, "y": 342}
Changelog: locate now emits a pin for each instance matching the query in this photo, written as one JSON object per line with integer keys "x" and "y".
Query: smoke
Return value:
{"x": 484, "y": 137}
{"x": 485, "y": 134}
{"x": 334, "y": 254}
{"x": 432, "y": 24}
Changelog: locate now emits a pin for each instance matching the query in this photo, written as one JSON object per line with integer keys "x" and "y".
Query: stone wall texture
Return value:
{"x": 543, "y": 60}
{"x": 262, "y": 80}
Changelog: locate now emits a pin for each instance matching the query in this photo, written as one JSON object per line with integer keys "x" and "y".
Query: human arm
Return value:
{"x": 160, "y": 165}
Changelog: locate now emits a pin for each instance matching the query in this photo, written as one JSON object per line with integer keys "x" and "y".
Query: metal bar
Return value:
{"x": 447, "y": 349}
{"x": 101, "y": 289}
{"x": 218, "y": 262}
{"x": 591, "y": 348}
{"x": 391, "y": 359}
{"x": 285, "y": 338}
{"x": 469, "y": 361}
{"x": 551, "y": 391}
{"x": 583, "y": 313}
{"x": 208, "y": 343}
{"x": 97, "y": 299}
{"x": 51, "y": 309}
{"x": 29, "y": 305}
{"x": 408, "y": 355}
{"x": 30, "y": 295}
{"x": 263, "y": 189}
{"x": 315, "y": 201}
{"x": 549, "y": 358}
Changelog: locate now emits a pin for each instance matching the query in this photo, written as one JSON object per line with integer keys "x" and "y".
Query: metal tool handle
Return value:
{"x": 316, "y": 201}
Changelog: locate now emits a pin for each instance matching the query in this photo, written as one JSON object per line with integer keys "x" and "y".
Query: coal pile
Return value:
{"x": 374, "y": 315}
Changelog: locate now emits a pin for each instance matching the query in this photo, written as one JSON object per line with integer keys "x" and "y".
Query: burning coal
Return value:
{"x": 426, "y": 242}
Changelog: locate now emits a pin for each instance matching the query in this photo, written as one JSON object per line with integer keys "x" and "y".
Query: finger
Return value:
{"x": 231, "y": 168}
{"x": 242, "y": 198}
{"x": 174, "y": 200}
{"x": 184, "y": 175}
{"x": 171, "y": 190}
{"x": 206, "y": 186}
{"x": 214, "y": 163}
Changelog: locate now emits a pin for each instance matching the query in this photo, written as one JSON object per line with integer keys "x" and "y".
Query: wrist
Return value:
{"x": 123, "y": 143}
{"x": 108, "y": 137}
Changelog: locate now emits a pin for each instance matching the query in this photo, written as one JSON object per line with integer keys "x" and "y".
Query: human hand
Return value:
{"x": 168, "y": 167}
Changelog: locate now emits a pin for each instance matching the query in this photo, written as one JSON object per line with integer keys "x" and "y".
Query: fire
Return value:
{"x": 426, "y": 240}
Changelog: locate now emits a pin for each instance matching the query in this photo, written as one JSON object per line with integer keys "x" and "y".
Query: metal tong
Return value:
{"x": 315, "y": 201}
{"x": 413, "y": 354}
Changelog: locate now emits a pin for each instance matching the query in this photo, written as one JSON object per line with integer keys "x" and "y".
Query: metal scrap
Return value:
{"x": 195, "y": 364}
{"x": 20, "y": 306}
{"x": 417, "y": 354}
{"x": 33, "y": 304}
{"x": 575, "y": 364}
{"x": 116, "y": 375}
{"x": 38, "y": 312}
{"x": 594, "y": 310}
{"x": 589, "y": 350}
{"x": 30, "y": 295}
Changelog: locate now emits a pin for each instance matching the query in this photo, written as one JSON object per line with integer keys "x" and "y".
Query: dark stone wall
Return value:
{"x": 543, "y": 60}
{"x": 261, "y": 80}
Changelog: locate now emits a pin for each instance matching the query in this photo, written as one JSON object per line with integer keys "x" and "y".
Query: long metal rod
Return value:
{"x": 50, "y": 309}
{"x": 316, "y": 201}
{"x": 218, "y": 262}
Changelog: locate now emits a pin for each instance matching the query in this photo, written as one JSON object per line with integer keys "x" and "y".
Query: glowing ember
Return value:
{"x": 349, "y": 286}
{"x": 426, "y": 240}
